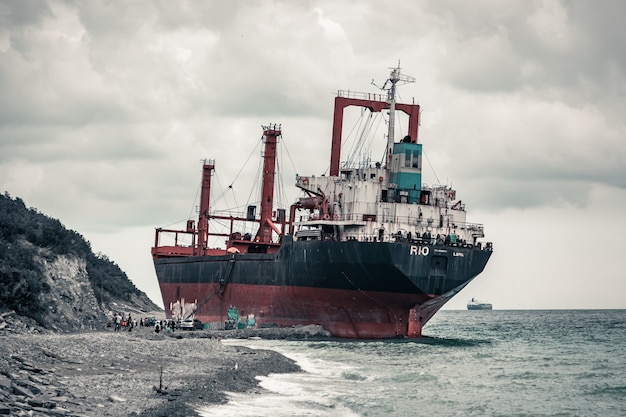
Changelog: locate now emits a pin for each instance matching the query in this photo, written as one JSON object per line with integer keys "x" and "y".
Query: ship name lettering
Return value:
{"x": 461, "y": 254}
{"x": 419, "y": 250}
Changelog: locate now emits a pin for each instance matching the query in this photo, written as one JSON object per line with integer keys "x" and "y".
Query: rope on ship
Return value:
{"x": 397, "y": 319}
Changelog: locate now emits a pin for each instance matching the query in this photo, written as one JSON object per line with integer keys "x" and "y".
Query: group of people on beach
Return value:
{"x": 121, "y": 322}
{"x": 164, "y": 325}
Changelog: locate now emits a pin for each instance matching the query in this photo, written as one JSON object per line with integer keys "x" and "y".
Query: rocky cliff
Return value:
{"x": 51, "y": 280}
{"x": 72, "y": 302}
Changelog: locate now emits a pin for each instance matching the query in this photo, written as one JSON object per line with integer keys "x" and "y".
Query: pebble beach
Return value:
{"x": 137, "y": 373}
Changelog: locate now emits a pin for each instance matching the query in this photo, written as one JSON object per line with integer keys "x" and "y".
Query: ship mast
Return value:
{"x": 205, "y": 203}
{"x": 270, "y": 136}
{"x": 393, "y": 79}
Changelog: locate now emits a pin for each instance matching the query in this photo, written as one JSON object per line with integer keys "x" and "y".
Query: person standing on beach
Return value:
{"x": 118, "y": 322}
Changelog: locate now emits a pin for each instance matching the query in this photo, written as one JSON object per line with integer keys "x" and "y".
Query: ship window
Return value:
{"x": 407, "y": 158}
{"x": 416, "y": 159}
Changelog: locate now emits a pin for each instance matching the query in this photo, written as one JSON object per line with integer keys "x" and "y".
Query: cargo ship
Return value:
{"x": 367, "y": 251}
{"x": 474, "y": 304}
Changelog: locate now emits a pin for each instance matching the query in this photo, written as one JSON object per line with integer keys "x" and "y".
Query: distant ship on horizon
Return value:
{"x": 475, "y": 304}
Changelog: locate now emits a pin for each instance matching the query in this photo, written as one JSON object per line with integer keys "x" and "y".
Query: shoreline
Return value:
{"x": 137, "y": 373}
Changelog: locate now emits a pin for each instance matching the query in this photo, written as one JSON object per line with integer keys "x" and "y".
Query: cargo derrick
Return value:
{"x": 266, "y": 227}
{"x": 263, "y": 241}
{"x": 236, "y": 242}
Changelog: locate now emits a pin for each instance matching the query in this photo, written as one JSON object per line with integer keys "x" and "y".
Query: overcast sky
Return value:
{"x": 107, "y": 108}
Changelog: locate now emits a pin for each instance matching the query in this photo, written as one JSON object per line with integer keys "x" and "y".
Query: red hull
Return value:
{"x": 344, "y": 313}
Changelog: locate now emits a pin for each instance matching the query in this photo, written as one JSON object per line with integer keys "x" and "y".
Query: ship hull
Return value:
{"x": 352, "y": 289}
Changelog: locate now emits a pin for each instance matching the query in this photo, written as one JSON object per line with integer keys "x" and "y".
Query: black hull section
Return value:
{"x": 366, "y": 266}
{"x": 405, "y": 275}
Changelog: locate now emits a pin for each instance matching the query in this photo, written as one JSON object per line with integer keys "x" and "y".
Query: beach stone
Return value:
{"x": 22, "y": 405}
{"x": 111, "y": 374}
{"x": 18, "y": 390}
{"x": 33, "y": 388}
{"x": 5, "y": 383}
{"x": 60, "y": 413}
{"x": 116, "y": 399}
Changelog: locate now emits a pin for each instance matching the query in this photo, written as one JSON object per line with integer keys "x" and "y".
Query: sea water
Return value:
{"x": 472, "y": 363}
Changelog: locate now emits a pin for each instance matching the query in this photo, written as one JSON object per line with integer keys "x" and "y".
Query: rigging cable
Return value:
{"x": 379, "y": 119}
{"x": 289, "y": 155}
{"x": 195, "y": 204}
{"x": 278, "y": 179}
{"x": 343, "y": 142}
{"x": 282, "y": 200}
{"x": 223, "y": 195}
{"x": 255, "y": 186}
{"x": 281, "y": 181}
{"x": 230, "y": 187}
{"x": 431, "y": 167}
{"x": 357, "y": 144}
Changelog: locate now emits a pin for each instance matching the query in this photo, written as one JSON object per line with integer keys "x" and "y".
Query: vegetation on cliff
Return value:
{"x": 26, "y": 235}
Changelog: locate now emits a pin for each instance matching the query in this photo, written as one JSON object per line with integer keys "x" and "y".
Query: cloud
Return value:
{"x": 107, "y": 108}
{"x": 24, "y": 13}
{"x": 124, "y": 81}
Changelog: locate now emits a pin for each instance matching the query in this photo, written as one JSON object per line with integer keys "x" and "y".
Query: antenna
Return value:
{"x": 394, "y": 78}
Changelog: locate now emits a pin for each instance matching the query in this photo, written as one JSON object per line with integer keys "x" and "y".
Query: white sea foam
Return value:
{"x": 313, "y": 392}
